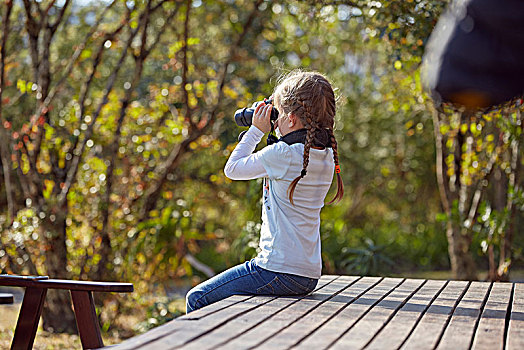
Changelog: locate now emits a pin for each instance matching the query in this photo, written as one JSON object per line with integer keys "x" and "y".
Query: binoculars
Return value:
{"x": 244, "y": 116}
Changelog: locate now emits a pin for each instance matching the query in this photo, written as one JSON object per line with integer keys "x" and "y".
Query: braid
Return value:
{"x": 340, "y": 184}
{"x": 311, "y": 129}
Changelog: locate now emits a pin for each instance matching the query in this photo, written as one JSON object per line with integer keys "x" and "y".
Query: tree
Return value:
{"x": 479, "y": 153}
{"x": 47, "y": 153}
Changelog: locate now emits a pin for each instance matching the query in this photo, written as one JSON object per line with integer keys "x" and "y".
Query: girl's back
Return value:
{"x": 290, "y": 234}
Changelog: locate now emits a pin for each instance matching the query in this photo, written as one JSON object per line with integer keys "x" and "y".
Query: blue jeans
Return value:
{"x": 247, "y": 279}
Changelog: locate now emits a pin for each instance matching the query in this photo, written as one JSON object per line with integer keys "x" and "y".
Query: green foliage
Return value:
{"x": 157, "y": 314}
{"x": 245, "y": 247}
{"x": 369, "y": 259}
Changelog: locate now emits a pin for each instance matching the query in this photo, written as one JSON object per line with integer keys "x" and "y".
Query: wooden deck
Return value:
{"x": 348, "y": 312}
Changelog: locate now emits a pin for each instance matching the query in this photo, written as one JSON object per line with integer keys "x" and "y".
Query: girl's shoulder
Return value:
{"x": 278, "y": 148}
{"x": 276, "y": 159}
{"x": 296, "y": 150}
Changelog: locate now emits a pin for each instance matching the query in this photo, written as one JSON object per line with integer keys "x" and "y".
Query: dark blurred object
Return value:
{"x": 475, "y": 55}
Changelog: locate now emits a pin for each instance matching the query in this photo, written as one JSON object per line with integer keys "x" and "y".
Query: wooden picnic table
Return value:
{"x": 84, "y": 307}
{"x": 349, "y": 312}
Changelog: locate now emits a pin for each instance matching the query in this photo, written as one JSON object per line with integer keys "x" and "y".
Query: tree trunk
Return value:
{"x": 452, "y": 191}
{"x": 57, "y": 315}
{"x": 462, "y": 264}
{"x": 506, "y": 243}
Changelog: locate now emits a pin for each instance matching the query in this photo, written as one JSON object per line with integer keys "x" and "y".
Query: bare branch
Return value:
{"x": 336, "y": 3}
{"x": 14, "y": 101}
{"x": 505, "y": 255}
{"x": 49, "y": 7}
{"x": 78, "y": 152}
{"x": 33, "y": 172}
{"x": 53, "y": 27}
{"x": 87, "y": 84}
{"x": 163, "y": 28}
{"x": 247, "y": 25}
{"x": 157, "y": 6}
{"x": 4, "y": 142}
{"x": 163, "y": 170}
{"x": 33, "y": 30}
{"x": 189, "y": 110}
{"x": 199, "y": 265}
{"x": 105, "y": 246}
{"x": 41, "y": 64}
{"x": 463, "y": 174}
{"x": 177, "y": 153}
{"x": 24, "y": 181}
{"x": 482, "y": 184}
{"x": 440, "y": 171}
{"x": 80, "y": 48}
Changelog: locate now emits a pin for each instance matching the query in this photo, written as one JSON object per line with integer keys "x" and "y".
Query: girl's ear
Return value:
{"x": 292, "y": 120}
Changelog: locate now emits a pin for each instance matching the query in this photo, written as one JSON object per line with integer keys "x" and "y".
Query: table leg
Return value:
{"x": 28, "y": 318}
{"x": 86, "y": 319}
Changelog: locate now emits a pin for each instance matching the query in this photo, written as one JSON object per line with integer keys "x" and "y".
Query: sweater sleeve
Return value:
{"x": 243, "y": 164}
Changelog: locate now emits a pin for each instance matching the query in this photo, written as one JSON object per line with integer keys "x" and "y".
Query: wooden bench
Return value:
{"x": 82, "y": 295}
{"x": 351, "y": 312}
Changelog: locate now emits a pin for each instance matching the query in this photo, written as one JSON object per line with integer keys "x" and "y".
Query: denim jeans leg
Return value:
{"x": 287, "y": 284}
{"x": 247, "y": 279}
{"x": 242, "y": 279}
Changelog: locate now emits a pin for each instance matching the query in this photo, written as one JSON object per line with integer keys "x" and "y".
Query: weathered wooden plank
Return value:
{"x": 427, "y": 332}
{"x": 45, "y": 282}
{"x": 172, "y": 326}
{"x": 215, "y": 307}
{"x": 247, "y": 321}
{"x": 333, "y": 319}
{"x": 260, "y": 334}
{"x": 515, "y": 340}
{"x": 188, "y": 330}
{"x": 400, "y": 326}
{"x": 460, "y": 330}
{"x": 325, "y": 312}
{"x": 490, "y": 331}
{"x": 365, "y": 329}
{"x": 146, "y": 338}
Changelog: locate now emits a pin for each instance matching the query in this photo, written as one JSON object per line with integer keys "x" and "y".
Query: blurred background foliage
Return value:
{"x": 149, "y": 203}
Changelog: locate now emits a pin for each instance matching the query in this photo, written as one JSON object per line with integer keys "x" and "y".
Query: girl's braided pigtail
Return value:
{"x": 307, "y": 146}
{"x": 340, "y": 184}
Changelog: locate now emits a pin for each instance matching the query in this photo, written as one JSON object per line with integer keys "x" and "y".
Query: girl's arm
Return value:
{"x": 243, "y": 164}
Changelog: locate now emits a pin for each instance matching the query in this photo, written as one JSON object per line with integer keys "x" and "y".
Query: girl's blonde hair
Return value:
{"x": 310, "y": 97}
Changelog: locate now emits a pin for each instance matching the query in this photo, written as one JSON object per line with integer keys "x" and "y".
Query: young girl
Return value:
{"x": 297, "y": 172}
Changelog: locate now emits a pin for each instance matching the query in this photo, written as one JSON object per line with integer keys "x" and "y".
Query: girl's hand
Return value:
{"x": 262, "y": 116}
